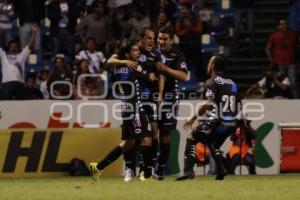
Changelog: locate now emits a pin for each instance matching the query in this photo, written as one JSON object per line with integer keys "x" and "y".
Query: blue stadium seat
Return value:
{"x": 209, "y": 44}
{"x": 190, "y": 85}
{"x": 217, "y": 26}
{"x": 224, "y": 8}
{"x": 34, "y": 62}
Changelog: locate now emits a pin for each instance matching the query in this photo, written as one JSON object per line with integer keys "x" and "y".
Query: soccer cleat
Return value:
{"x": 95, "y": 171}
{"x": 159, "y": 175}
{"x": 187, "y": 175}
{"x": 159, "y": 178}
{"x": 151, "y": 178}
{"x": 221, "y": 173}
{"x": 128, "y": 175}
{"x": 142, "y": 176}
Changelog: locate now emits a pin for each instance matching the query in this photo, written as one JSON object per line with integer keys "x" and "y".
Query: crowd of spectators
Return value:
{"x": 76, "y": 37}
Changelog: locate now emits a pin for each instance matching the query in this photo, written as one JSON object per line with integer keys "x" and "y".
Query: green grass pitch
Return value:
{"x": 280, "y": 187}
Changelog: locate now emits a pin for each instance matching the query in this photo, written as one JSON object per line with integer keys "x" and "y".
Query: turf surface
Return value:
{"x": 281, "y": 187}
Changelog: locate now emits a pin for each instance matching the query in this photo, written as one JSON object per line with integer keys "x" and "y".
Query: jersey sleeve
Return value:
{"x": 141, "y": 73}
{"x": 181, "y": 62}
{"x": 158, "y": 56}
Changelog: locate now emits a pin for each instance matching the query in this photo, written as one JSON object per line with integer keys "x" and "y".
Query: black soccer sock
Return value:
{"x": 113, "y": 155}
{"x": 189, "y": 156}
{"x": 154, "y": 151}
{"x": 147, "y": 158}
{"x": 129, "y": 158}
{"x": 164, "y": 152}
{"x": 216, "y": 153}
{"x": 141, "y": 162}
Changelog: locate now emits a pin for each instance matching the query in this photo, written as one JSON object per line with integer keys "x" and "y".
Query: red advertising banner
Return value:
{"x": 290, "y": 149}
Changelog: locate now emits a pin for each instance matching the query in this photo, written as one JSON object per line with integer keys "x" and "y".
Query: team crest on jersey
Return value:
{"x": 169, "y": 115}
{"x": 183, "y": 65}
{"x": 142, "y": 58}
{"x": 219, "y": 80}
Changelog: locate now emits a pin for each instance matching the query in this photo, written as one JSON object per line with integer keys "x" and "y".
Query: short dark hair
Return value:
{"x": 168, "y": 31}
{"x": 275, "y": 68}
{"x": 59, "y": 57}
{"x": 220, "y": 63}
{"x": 143, "y": 32}
{"x": 83, "y": 60}
{"x": 90, "y": 39}
{"x": 12, "y": 42}
{"x": 187, "y": 5}
{"x": 272, "y": 67}
{"x": 126, "y": 49}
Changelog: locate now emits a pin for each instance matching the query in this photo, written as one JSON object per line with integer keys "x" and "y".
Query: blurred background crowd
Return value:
{"x": 47, "y": 45}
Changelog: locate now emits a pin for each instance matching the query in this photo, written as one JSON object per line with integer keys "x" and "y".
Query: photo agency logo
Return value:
{"x": 131, "y": 102}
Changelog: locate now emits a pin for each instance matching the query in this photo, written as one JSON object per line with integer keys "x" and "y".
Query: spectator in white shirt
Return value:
{"x": 275, "y": 84}
{"x": 13, "y": 68}
{"x": 96, "y": 58}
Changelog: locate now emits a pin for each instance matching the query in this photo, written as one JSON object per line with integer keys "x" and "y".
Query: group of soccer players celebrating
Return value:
{"x": 148, "y": 75}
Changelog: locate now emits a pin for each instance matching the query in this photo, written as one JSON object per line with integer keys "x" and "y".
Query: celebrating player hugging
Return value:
{"x": 150, "y": 115}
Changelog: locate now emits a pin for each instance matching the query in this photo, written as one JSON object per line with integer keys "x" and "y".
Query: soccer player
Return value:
{"x": 151, "y": 87}
{"x": 201, "y": 155}
{"x": 220, "y": 115}
{"x": 173, "y": 68}
{"x": 135, "y": 122}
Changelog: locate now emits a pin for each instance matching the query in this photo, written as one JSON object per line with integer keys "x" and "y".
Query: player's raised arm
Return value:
{"x": 177, "y": 74}
{"x": 207, "y": 105}
{"x": 115, "y": 61}
{"x": 161, "y": 86}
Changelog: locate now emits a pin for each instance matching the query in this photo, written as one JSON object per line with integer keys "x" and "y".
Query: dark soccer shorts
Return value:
{"x": 168, "y": 116}
{"x": 136, "y": 128}
{"x": 151, "y": 110}
{"x": 216, "y": 134}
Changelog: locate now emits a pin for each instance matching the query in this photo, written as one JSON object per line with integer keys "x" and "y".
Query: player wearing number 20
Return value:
{"x": 217, "y": 116}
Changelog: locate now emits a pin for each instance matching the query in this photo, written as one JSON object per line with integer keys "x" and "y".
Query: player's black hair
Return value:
{"x": 126, "y": 49}
{"x": 167, "y": 30}
{"x": 220, "y": 63}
